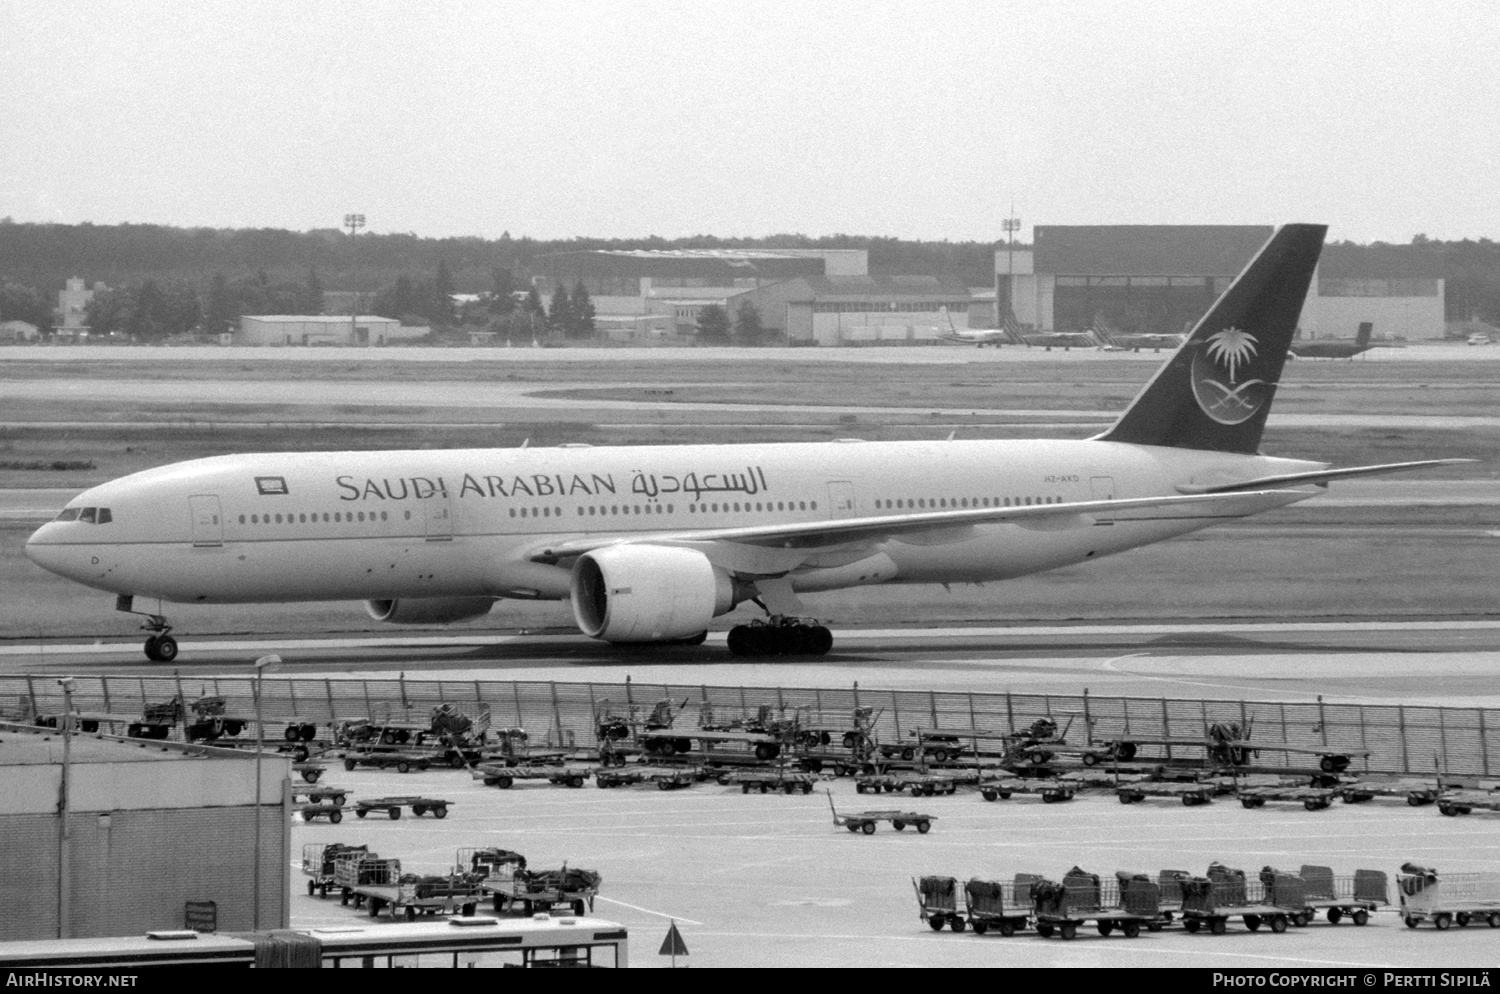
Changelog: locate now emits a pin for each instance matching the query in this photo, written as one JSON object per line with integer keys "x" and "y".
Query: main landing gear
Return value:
{"x": 160, "y": 647}
{"x": 780, "y": 637}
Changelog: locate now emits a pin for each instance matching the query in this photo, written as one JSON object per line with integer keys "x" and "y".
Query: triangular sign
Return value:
{"x": 673, "y": 945}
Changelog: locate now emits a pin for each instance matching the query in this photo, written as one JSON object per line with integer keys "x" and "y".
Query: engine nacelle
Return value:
{"x": 429, "y": 610}
{"x": 647, "y": 593}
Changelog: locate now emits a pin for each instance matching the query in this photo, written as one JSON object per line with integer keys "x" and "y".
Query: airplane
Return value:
{"x": 1336, "y": 350}
{"x": 1011, "y": 331}
{"x": 1128, "y": 341}
{"x": 651, "y": 543}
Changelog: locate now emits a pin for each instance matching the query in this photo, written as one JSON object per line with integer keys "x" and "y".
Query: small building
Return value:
{"x": 151, "y": 827}
{"x": 324, "y": 329}
{"x": 12, "y": 332}
{"x": 859, "y": 310}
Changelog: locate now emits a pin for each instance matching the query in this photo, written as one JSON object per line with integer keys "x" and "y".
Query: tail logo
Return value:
{"x": 1228, "y": 401}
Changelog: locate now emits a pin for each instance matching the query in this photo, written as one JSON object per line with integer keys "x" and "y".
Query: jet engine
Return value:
{"x": 648, "y": 593}
{"x": 429, "y": 610}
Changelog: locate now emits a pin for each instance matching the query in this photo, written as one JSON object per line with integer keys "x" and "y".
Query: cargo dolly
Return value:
{"x": 319, "y": 860}
{"x": 918, "y": 784}
{"x": 1190, "y": 794}
{"x": 403, "y": 761}
{"x": 1446, "y": 898}
{"x": 1209, "y": 902}
{"x": 321, "y": 795}
{"x": 1462, "y": 802}
{"x": 1126, "y": 904}
{"x": 1051, "y": 791}
{"x": 392, "y": 806}
{"x": 309, "y": 772}
{"x": 1415, "y": 792}
{"x": 778, "y": 781}
{"x": 1311, "y": 798}
{"x": 312, "y": 812}
{"x": 994, "y": 904}
{"x": 665, "y": 779}
{"x": 865, "y": 821}
{"x": 504, "y": 777}
{"x": 1344, "y": 897}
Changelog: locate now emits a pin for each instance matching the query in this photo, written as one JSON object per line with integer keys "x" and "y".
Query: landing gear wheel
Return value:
{"x": 819, "y": 640}
{"x": 166, "y": 649}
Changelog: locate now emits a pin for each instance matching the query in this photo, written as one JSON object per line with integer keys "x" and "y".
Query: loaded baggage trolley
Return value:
{"x": 392, "y": 806}
{"x": 412, "y": 894}
{"x": 319, "y": 860}
{"x": 1274, "y": 900}
{"x": 543, "y": 891}
{"x": 865, "y": 821}
{"x": 1052, "y": 791}
{"x": 1344, "y": 897}
{"x": 1446, "y": 898}
{"x": 1127, "y": 904}
{"x": 993, "y": 904}
{"x": 937, "y": 903}
{"x": 494, "y": 869}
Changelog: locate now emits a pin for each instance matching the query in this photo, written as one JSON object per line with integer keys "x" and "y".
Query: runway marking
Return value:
{"x": 648, "y": 911}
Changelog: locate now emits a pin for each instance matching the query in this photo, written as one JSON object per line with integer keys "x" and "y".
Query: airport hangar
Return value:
{"x": 1161, "y": 278}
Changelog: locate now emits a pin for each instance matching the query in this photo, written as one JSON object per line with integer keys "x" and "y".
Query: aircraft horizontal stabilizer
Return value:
{"x": 811, "y": 534}
{"x": 1315, "y": 476}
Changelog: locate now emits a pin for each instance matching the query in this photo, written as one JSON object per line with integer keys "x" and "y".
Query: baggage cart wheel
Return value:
{"x": 1131, "y": 929}
{"x": 1362, "y": 917}
{"x": 1334, "y": 916}
{"x": 1068, "y": 930}
{"x": 359, "y": 812}
{"x": 1411, "y": 922}
{"x": 1463, "y": 919}
{"x": 916, "y": 790}
{"x": 335, "y": 816}
{"x": 764, "y": 788}
{"x": 456, "y": 761}
{"x": 575, "y": 781}
{"x": 1006, "y": 929}
{"x": 311, "y": 886}
{"x": 349, "y": 765}
{"x": 402, "y": 766}
{"x": 868, "y": 828}
{"x": 898, "y": 825}
{"x": 924, "y": 826}
{"x": 580, "y": 908}
{"x": 467, "y": 910}
{"x": 419, "y": 809}
{"x": 309, "y": 776}
{"x": 323, "y": 891}
{"x": 1414, "y": 800}
{"x": 1044, "y": 930}
{"x": 940, "y": 755}
{"x": 980, "y": 927}
{"x": 929, "y": 789}
{"x": 1126, "y": 799}
{"x": 411, "y": 913}
{"x": 503, "y": 782}
{"x": 1278, "y": 924}
{"x": 1192, "y": 924}
{"x": 1089, "y": 759}
{"x": 1005, "y": 795}
{"x": 1106, "y": 927}
{"x": 1247, "y": 802}
{"x": 1252, "y": 922}
{"x": 1493, "y": 919}
{"x": 1154, "y": 926}
{"x": 807, "y": 788}
{"x": 344, "y": 897}
{"x": 1314, "y": 804}
{"x": 907, "y": 754}
{"x": 848, "y": 740}
{"x": 788, "y": 788}
{"x": 936, "y": 924}
{"x": 339, "y": 799}
{"x": 852, "y": 826}
{"x": 374, "y": 908}
{"x": 394, "y": 813}
{"x": 957, "y": 924}
{"x": 1303, "y": 919}
{"x": 745, "y": 789}
{"x": 497, "y": 903}
{"x": 989, "y": 795}
{"x": 441, "y": 811}
{"x": 422, "y": 764}
{"x": 1219, "y": 926}
{"x": 1448, "y": 810}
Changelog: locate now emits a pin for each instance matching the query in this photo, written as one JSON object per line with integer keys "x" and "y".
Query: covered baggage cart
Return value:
{"x": 319, "y": 860}
{"x": 1444, "y": 899}
{"x": 1343, "y": 897}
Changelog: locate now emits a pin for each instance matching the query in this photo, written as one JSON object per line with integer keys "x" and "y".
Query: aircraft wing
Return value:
{"x": 821, "y": 534}
{"x": 1314, "y": 476}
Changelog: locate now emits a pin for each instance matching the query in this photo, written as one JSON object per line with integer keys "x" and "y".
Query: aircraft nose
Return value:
{"x": 42, "y": 552}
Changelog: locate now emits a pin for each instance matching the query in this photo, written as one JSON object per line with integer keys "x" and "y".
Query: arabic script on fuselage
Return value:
{"x": 484, "y": 486}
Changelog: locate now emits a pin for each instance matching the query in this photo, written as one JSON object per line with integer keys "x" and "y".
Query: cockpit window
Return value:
{"x": 68, "y": 514}
{"x": 104, "y": 516}
{"x": 88, "y": 514}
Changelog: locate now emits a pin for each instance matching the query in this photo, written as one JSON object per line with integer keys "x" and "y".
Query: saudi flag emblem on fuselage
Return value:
{"x": 1222, "y": 394}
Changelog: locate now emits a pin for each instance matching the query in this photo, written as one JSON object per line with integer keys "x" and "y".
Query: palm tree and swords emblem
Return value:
{"x": 1231, "y": 403}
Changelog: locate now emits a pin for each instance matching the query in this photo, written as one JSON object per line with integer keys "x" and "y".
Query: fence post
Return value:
{"x": 1484, "y": 744}
{"x": 1401, "y": 726}
{"x": 1322, "y": 720}
{"x": 364, "y": 685}
{"x": 1443, "y": 737}
{"x": 104, "y": 686}
{"x": 515, "y": 693}
{"x": 932, "y": 706}
{"x": 1088, "y": 719}
{"x": 401, "y": 681}
{"x": 1166, "y": 726}
{"x": 328, "y": 689}
{"x": 31, "y": 692}
{"x": 556, "y": 712}
{"x": 1010, "y": 713}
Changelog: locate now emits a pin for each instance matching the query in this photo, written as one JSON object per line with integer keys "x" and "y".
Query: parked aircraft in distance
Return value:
{"x": 651, "y": 543}
{"x": 1336, "y": 350}
{"x": 1011, "y": 331}
{"x": 1113, "y": 337}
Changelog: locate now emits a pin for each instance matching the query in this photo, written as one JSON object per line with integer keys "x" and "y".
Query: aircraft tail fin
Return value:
{"x": 1216, "y": 390}
{"x": 1366, "y": 329}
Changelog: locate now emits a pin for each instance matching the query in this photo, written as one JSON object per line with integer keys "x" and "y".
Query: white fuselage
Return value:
{"x": 453, "y": 523}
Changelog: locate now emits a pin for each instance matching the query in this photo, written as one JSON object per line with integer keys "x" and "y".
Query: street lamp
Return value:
{"x": 353, "y": 222}
{"x": 261, "y": 665}
{"x": 64, "y": 835}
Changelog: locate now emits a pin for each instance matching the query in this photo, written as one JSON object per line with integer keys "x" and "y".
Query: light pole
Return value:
{"x": 64, "y": 835}
{"x": 261, "y": 665}
{"x": 1010, "y": 226}
{"x": 353, "y": 222}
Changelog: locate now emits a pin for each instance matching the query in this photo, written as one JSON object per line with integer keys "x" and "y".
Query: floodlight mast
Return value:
{"x": 1010, "y": 226}
{"x": 353, "y": 222}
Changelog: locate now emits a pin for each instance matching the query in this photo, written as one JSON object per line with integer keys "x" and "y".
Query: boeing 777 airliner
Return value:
{"x": 652, "y": 543}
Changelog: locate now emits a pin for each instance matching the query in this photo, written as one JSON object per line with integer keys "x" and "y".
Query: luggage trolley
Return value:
{"x": 1344, "y": 897}
{"x": 1127, "y": 903}
{"x": 1446, "y": 898}
{"x": 937, "y": 903}
{"x": 994, "y": 904}
{"x": 1274, "y": 900}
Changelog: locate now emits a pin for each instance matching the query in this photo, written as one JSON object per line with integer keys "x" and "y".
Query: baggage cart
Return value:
{"x": 321, "y": 795}
{"x": 309, "y": 772}
{"x": 1446, "y": 898}
{"x": 1210, "y": 902}
{"x": 504, "y": 777}
{"x": 779, "y": 781}
{"x": 1415, "y": 792}
{"x": 1343, "y": 897}
{"x": 392, "y": 806}
{"x": 318, "y": 861}
{"x": 865, "y": 821}
{"x": 663, "y": 778}
{"x": 994, "y": 904}
{"x": 1170, "y": 882}
{"x": 1051, "y": 791}
{"x": 312, "y": 812}
{"x": 1126, "y": 904}
{"x": 1311, "y": 798}
{"x": 569, "y": 890}
{"x": 403, "y": 761}
{"x": 918, "y": 784}
{"x": 357, "y": 868}
{"x": 1462, "y": 802}
{"x": 937, "y": 903}
{"x": 413, "y": 894}
{"x": 1190, "y": 794}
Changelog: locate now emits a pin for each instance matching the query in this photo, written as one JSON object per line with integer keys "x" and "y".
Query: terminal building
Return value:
{"x": 157, "y": 836}
{"x": 1160, "y": 279}
{"x": 324, "y": 329}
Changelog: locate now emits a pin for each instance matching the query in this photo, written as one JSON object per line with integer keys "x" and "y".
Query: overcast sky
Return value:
{"x": 915, "y": 120}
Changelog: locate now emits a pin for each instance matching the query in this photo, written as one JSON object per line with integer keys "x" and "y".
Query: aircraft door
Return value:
{"x": 439, "y": 511}
{"x": 1103, "y": 487}
{"x": 208, "y": 522}
{"x": 841, "y": 500}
